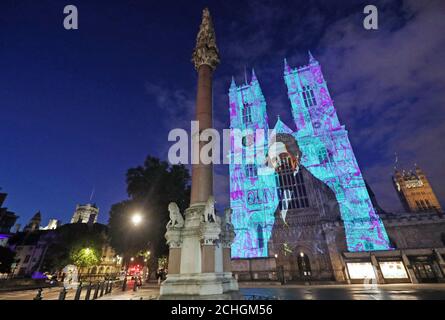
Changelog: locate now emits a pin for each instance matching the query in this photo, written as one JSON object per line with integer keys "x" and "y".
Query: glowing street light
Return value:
{"x": 136, "y": 218}
{"x": 132, "y": 259}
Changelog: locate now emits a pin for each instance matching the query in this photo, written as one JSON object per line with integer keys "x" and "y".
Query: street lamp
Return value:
{"x": 136, "y": 218}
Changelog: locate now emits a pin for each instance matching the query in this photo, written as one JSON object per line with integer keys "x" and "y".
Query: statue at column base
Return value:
{"x": 198, "y": 285}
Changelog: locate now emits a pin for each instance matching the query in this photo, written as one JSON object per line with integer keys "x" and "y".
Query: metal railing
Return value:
{"x": 94, "y": 290}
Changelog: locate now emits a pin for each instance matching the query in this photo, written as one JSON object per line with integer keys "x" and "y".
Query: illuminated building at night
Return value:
{"x": 85, "y": 214}
{"x": 318, "y": 222}
{"x": 327, "y": 155}
{"x": 415, "y": 191}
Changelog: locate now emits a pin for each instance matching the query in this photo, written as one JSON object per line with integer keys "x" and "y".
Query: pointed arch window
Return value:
{"x": 291, "y": 186}
{"x": 247, "y": 113}
{"x": 251, "y": 171}
{"x": 260, "y": 236}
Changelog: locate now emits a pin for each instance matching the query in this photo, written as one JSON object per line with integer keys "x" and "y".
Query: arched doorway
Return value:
{"x": 304, "y": 265}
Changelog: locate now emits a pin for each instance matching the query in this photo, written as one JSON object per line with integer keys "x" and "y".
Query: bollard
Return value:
{"x": 78, "y": 291}
{"x": 62, "y": 294}
{"x": 124, "y": 284}
{"x": 39, "y": 294}
{"x": 96, "y": 291}
{"x": 87, "y": 296}
{"x": 107, "y": 284}
{"x": 102, "y": 288}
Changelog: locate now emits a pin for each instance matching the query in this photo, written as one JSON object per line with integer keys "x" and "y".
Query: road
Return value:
{"x": 351, "y": 292}
{"x": 288, "y": 292}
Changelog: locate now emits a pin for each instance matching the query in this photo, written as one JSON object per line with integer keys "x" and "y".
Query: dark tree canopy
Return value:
{"x": 151, "y": 188}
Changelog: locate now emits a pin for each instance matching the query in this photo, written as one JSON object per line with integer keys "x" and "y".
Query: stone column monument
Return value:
{"x": 199, "y": 258}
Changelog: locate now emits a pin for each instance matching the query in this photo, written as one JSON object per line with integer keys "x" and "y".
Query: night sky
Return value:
{"x": 78, "y": 108}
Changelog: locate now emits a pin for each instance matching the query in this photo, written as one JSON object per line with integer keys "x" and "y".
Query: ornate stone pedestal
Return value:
{"x": 199, "y": 259}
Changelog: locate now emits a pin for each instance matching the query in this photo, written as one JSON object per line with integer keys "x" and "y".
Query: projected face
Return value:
{"x": 284, "y": 153}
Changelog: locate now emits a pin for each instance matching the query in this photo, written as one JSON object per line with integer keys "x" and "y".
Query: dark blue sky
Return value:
{"x": 78, "y": 108}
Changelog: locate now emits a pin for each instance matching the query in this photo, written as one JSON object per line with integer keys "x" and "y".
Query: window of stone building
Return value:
{"x": 323, "y": 155}
{"x": 247, "y": 113}
{"x": 292, "y": 185}
{"x": 27, "y": 258}
{"x": 251, "y": 171}
{"x": 260, "y": 236}
{"x": 308, "y": 97}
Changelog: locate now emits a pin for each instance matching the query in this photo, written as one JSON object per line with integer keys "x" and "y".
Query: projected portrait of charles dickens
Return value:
{"x": 294, "y": 185}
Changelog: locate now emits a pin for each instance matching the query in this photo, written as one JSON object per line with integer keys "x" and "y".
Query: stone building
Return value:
{"x": 85, "y": 213}
{"x": 30, "y": 248}
{"x": 351, "y": 241}
{"x": 418, "y": 254}
{"x": 415, "y": 191}
{"x": 34, "y": 223}
{"x": 7, "y": 220}
{"x": 110, "y": 265}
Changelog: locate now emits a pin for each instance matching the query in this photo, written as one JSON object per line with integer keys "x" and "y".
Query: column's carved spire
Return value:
{"x": 206, "y": 51}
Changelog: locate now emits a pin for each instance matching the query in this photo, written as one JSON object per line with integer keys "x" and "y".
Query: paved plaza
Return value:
{"x": 275, "y": 292}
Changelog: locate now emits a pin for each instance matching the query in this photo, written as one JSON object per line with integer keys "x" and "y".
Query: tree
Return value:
{"x": 7, "y": 257}
{"x": 151, "y": 188}
{"x": 79, "y": 244}
{"x": 85, "y": 257}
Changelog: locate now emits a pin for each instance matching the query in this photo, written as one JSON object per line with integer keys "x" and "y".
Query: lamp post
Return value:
{"x": 136, "y": 219}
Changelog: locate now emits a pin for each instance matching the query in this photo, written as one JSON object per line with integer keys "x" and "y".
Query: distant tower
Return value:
{"x": 415, "y": 191}
{"x": 252, "y": 192}
{"x": 34, "y": 223}
{"x": 52, "y": 224}
{"x": 328, "y": 155}
{"x": 7, "y": 218}
{"x": 85, "y": 213}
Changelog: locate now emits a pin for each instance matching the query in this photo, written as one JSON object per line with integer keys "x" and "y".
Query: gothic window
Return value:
{"x": 291, "y": 186}
{"x": 428, "y": 205}
{"x": 260, "y": 236}
{"x": 247, "y": 114}
{"x": 27, "y": 259}
{"x": 323, "y": 155}
{"x": 418, "y": 204}
{"x": 251, "y": 171}
{"x": 308, "y": 97}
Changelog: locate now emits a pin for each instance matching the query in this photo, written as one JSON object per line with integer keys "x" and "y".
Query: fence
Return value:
{"x": 90, "y": 291}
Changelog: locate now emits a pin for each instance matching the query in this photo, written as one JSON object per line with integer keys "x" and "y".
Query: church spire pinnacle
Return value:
{"x": 311, "y": 58}
{"x": 253, "y": 79}
{"x": 287, "y": 69}
{"x": 206, "y": 52}
{"x": 233, "y": 84}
